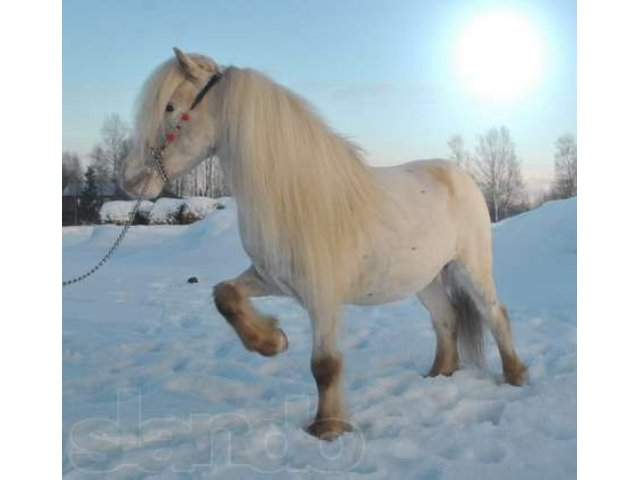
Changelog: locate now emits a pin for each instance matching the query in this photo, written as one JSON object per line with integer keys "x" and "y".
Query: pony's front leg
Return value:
{"x": 257, "y": 332}
{"x": 326, "y": 366}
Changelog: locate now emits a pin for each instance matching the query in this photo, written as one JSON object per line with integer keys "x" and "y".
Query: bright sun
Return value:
{"x": 499, "y": 55}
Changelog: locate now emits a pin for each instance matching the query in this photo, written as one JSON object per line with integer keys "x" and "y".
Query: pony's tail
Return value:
{"x": 471, "y": 308}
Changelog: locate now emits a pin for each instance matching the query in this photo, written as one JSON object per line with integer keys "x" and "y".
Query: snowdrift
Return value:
{"x": 118, "y": 211}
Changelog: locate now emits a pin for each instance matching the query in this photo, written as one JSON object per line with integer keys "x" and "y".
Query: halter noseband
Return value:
{"x": 171, "y": 135}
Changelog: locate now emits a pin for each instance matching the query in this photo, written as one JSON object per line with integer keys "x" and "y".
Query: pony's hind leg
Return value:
{"x": 443, "y": 317}
{"x": 478, "y": 304}
{"x": 257, "y": 332}
{"x": 515, "y": 373}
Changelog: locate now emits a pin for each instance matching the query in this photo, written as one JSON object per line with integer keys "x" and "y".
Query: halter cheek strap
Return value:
{"x": 212, "y": 81}
{"x": 172, "y": 135}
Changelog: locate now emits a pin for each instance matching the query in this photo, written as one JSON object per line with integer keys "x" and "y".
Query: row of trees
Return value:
{"x": 497, "y": 170}
{"x": 107, "y": 159}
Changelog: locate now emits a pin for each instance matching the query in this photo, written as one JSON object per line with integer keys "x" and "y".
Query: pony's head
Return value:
{"x": 166, "y": 121}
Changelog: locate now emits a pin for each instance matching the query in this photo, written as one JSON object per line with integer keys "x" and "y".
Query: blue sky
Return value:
{"x": 381, "y": 72}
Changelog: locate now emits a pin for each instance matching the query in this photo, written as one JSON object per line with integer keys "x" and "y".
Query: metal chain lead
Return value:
{"x": 156, "y": 154}
{"x": 118, "y": 241}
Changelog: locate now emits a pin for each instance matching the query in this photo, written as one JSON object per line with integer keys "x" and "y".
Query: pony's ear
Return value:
{"x": 189, "y": 67}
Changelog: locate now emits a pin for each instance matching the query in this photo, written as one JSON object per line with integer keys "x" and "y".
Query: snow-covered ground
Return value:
{"x": 156, "y": 385}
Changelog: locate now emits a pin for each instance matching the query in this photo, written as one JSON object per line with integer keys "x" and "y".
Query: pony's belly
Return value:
{"x": 382, "y": 297}
{"x": 393, "y": 282}
{"x": 414, "y": 244}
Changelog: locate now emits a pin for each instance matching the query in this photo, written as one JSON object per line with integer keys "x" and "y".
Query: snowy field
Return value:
{"x": 157, "y": 386}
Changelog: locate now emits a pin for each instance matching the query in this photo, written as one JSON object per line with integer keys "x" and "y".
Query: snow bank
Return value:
{"x": 196, "y": 208}
{"x": 117, "y": 211}
{"x": 157, "y": 385}
{"x": 166, "y": 211}
{"x": 536, "y": 252}
{"x": 171, "y": 211}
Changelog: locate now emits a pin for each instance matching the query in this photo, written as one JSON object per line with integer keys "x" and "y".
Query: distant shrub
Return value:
{"x": 142, "y": 215}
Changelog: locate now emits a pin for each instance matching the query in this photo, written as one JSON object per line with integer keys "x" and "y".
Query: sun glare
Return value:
{"x": 499, "y": 55}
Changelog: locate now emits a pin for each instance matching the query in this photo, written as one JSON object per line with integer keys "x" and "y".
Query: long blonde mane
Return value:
{"x": 307, "y": 196}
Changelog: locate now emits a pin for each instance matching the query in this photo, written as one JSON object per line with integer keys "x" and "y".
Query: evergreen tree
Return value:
{"x": 89, "y": 200}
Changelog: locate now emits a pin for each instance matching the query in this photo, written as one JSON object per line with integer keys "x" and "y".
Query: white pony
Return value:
{"x": 321, "y": 226}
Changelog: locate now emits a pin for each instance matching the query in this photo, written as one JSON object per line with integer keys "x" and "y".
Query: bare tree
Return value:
{"x": 219, "y": 187}
{"x": 565, "y": 183}
{"x": 458, "y": 152}
{"x": 114, "y": 144}
{"x": 108, "y": 155}
{"x": 497, "y": 171}
{"x": 71, "y": 170}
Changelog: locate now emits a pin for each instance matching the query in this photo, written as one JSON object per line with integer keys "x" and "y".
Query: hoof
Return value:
{"x": 434, "y": 372}
{"x": 278, "y": 343}
{"x": 284, "y": 342}
{"x": 329, "y": 429}
{"x": 517, "y": 375}
{"x": 442, "y": 367}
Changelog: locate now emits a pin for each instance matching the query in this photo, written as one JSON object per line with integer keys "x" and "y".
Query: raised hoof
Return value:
{"x": 329, "y": 429}
{"x": 278, "y": 343}
{"x": 516, "y": 376}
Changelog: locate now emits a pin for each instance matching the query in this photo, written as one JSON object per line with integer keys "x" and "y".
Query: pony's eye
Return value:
{"x": 169, "y": 108}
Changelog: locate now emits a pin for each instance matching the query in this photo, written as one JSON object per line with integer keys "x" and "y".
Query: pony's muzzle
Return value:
{"x": 134, "y": 184}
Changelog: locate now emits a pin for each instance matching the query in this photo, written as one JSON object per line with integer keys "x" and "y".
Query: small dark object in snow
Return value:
{"x": 220, "y": 206}
{"x": 192, "y": 280}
